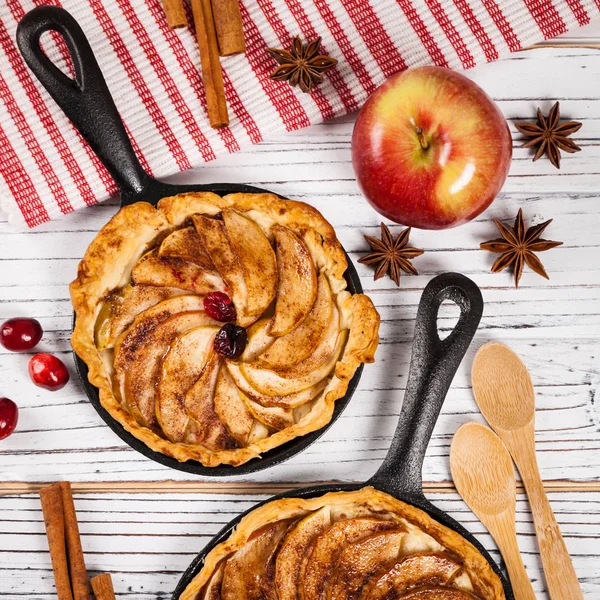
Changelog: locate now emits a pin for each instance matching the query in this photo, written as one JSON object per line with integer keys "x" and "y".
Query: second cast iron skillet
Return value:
{"x": 88, "y": 103}
{"x": 433, "y": 365}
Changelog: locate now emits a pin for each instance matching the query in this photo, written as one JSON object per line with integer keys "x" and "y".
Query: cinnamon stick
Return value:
{"x": 103, "y": 587}
{"x": 175, "y": 13}
{"x": 211, "y": 67}
{"x": 52, "y": 507}
{"x": 228, "y": 24}
{"x": 80, "y": 583}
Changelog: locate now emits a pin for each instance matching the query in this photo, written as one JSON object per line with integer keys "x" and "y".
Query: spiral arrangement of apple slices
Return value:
{"x": 165, "y": 370}
{"x": 343, "y": 550}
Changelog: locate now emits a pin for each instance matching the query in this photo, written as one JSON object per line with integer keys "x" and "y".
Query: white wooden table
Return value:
{"x": 144, "y": 523}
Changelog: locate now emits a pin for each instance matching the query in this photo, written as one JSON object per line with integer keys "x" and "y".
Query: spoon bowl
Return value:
{"x": 503, "y": 387}
{"x": 483, "y": 471}
{"x": 484, "y": 476}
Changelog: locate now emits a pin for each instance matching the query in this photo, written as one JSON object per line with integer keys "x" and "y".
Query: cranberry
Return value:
{"x": 20, "y": 334}
{"x": 9, "y": 415}
{"x": 218, "y": 306}
{"x": 48, "y": 372}
{"x": 231, "y": 340}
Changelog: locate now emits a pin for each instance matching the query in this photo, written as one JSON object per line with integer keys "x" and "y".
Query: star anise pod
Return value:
{"x": 302, "y": 65}
{"x": 549, "y": 136}
{"x": 518, "y": 245}
{"x": 389, "y": 256}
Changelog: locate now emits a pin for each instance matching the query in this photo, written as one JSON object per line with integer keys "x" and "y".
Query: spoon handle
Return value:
{"x": 502, "y": 528}
{"x": 561, "y": 578}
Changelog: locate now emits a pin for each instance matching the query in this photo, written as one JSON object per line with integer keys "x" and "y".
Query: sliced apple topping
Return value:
{"x": 413, "y": 571}
{"x": 231, "y": 410}
{"x": 321, "y": 353}
{"x": 143, "y": 366}
{"x": 212, "y": 590}
{"x": 151, "y": 269}
{"x": 275, "y": 417}
{"x": 289, "y": 401}
{"x": 292, "y": 557}
{"x": 297, "y": 289}
{"x": 144, "y": 324}
{"x": 200, "y": 405}
{"x": 268, "y": 582}
{"x": 289, "y": 350}
{"x": 258, "y": 432}
{"x": 214, "y": 238}
{"x": 186, "y": 244}
{"x": 244, "y": 575}
{"x": 122, "y": 306}
{"x": 181, "y": 367}
{"x": 271, "y": 383}
{"x": 257, "y": 258}
{"x": 327, "y": 548}
{"x": 259, "y": 340}
{"x": 359, "y": 561}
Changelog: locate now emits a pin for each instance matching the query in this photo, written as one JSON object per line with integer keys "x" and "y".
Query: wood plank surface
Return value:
{"x": 147, "y": 541}
{"x": 144, "y": 523}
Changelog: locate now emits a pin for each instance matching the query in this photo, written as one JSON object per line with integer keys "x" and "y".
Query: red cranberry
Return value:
{"x": 218, "y": 306}
{"x": 231, "y": 340}
{"x": 20, "y": 334}
{"x": 9, "y": 415}
{"x": 48, "y": 372}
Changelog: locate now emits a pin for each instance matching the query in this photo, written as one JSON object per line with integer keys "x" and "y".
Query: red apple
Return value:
{"x": 430, "y": 149}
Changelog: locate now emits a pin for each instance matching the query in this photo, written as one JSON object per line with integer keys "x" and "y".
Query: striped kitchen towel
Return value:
{"x": 154, "y": 75}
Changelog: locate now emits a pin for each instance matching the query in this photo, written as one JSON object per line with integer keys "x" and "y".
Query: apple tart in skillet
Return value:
{"x": 363, "y": 545}
{"x": 217, "y": 328}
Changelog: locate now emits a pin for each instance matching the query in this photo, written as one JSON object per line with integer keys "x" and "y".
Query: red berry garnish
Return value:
{"x": 48, "y": 372}
{"x": 218, "y": 306}
{"x": 9, "y": 415}
{"x": 20, "y": 334}
{"x": 231, "y": 340}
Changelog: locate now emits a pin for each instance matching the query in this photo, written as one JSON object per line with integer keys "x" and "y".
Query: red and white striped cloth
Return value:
{"x": 154, "y": 75}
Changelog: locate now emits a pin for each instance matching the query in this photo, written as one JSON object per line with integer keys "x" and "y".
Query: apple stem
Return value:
{"x": 422, "y": 139}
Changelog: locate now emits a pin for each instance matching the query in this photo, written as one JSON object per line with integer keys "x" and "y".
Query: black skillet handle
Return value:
{"x": 433, "y": 365}
{"x": 86, "y": 99}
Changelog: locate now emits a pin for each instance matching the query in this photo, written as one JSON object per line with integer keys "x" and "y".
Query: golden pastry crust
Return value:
{"x": 485, "y": 583}
{"x": 120, "y": 243}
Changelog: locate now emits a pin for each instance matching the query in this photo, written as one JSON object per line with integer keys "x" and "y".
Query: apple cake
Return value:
{"x": 217, "y": 328}
{"x": 363, "y": 545}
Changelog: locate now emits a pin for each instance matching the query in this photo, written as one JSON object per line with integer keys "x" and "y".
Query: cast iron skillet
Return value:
{"x": 86, "y": 100}
{"x": 433, "y": 365}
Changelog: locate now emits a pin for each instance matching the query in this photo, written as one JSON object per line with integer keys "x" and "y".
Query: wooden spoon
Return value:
{"x": 504, "y": 394}
{"x": 484, "y": 476}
